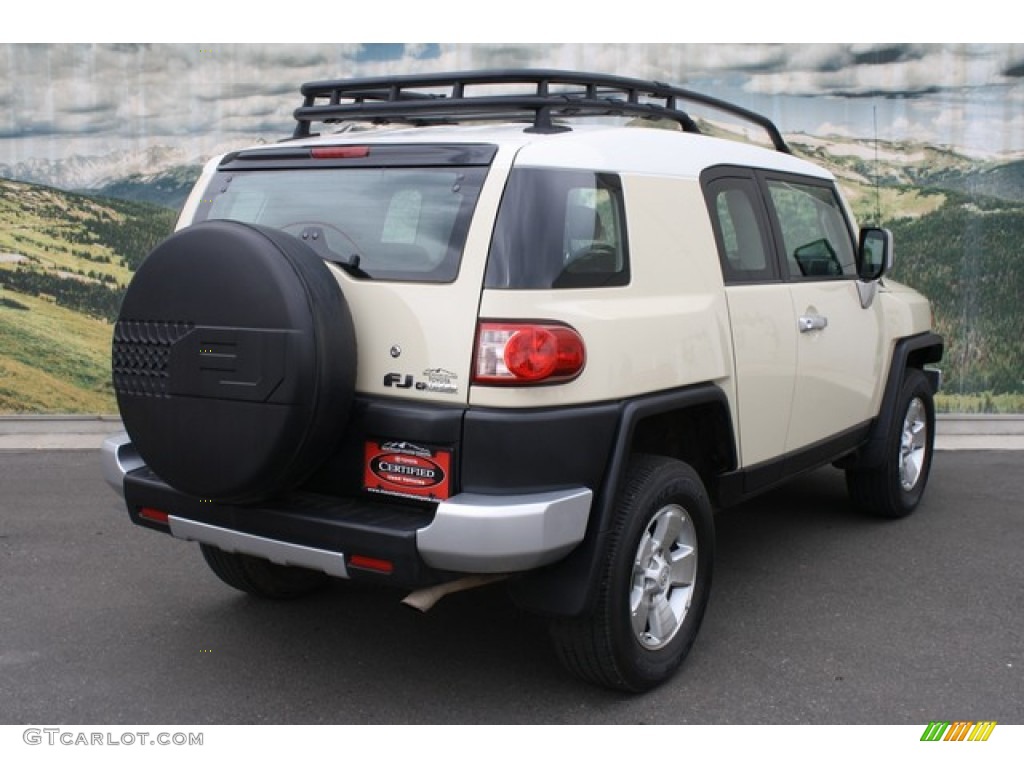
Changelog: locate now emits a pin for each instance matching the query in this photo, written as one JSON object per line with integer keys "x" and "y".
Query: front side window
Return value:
{"x": 816, "y": 238}
{"x": 401, "y": 223}
{"x": 559, "y": 229}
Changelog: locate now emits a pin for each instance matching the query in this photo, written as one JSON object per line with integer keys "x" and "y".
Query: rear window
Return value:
{"x": 405, "y": 224}
{"x": 559, "y": 229}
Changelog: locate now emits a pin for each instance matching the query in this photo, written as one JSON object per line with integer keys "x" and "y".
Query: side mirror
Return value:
{"x": 874, "y": 254}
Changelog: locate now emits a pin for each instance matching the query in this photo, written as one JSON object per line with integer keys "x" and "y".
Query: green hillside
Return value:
{"x": 65, "y": 260}
{"x": 168, "y": 189}
{"x": 53, "y": 359}
{"x": 966, "y": 258}
{"x": 1004, "y": 181}
{"x": 958, "y": 225}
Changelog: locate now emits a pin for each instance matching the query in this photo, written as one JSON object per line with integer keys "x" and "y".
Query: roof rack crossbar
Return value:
{"x": 401, "y": 99}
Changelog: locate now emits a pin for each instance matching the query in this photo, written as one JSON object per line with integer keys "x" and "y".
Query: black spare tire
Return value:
{"x": 234, "y": 361}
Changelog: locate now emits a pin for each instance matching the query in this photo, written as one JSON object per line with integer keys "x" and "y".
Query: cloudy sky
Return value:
{"x": 60, "y": 100}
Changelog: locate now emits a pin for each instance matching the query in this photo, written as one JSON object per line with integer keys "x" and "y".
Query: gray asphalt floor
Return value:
{"x": 817, "y": 616}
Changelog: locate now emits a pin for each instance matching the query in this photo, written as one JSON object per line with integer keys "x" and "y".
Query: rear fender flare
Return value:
{"x": 567, "y": 588}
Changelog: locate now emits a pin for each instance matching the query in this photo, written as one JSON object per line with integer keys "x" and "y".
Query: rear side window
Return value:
{"x": 742, "y": 241}
{"x": 559, "y": 229}
{"x": 403, "y": 223}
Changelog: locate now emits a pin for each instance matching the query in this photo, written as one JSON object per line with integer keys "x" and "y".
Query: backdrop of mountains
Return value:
{"x": 958, "y": 223}
{"x": 72, "y": 232}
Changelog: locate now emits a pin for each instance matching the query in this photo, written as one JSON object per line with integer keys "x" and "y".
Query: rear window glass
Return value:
{"x": 559, "y": 229}
{"x": 403, "y": 223}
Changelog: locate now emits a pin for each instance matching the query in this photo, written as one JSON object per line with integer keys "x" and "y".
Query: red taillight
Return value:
{"x": 371, "y": 564}
{"x": 338, "y": 153}
{"x": 154, "y": 515}
{"x": 527, "y": 353}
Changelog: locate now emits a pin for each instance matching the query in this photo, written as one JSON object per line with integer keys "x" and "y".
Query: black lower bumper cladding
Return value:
{"x": 365, "y": 528}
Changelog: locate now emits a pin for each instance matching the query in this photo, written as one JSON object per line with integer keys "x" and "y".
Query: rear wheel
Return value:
{"x": 894, "y": 488}
{"x": 655, "y": 581}
{"x": 260, "y": 577}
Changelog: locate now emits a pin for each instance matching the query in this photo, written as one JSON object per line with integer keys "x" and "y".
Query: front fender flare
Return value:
{"x": 911, "y": 352}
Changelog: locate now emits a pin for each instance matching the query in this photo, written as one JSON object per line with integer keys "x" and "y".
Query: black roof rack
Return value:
{"x": 552, "y": 93}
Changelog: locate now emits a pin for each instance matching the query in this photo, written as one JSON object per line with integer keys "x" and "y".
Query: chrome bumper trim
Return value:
{"x": 474, "y": 533}
{"x": 118, "y": 457}
{"x": 280, "y": 552}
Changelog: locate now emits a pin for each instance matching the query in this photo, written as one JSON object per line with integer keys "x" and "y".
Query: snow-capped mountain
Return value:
{"x": 156, "y": 174}
{"x": 164, "y": 174}
{"x": 89, "y": 172}
{"x": 96, "y": 171}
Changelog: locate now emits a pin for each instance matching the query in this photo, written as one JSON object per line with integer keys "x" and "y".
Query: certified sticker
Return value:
{"x": 404, "y": 469}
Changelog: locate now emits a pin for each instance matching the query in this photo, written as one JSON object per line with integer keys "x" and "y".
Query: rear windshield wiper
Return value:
{"x": 314, "y": 237}
{"x": 350, "y": 263}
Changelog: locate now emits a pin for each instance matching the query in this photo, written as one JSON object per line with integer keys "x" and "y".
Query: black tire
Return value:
{"x": 894, "y": 488}
{"x": 662, "y": 502}
{"x": 234, "y": 361}
{"x": 262, "y": 578}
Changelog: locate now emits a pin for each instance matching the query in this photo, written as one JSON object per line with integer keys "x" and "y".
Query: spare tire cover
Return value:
{"x": 233, "y": 361}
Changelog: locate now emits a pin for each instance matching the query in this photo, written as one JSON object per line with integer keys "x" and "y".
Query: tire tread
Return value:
{"x": 585, "y": 645}
{"x": 876, "y": 489}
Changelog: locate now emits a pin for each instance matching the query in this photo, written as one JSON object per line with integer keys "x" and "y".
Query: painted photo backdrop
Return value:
{"x": 100, "y": 143}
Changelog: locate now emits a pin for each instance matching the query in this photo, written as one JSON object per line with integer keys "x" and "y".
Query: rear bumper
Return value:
{"x": 468, "y": 533}
{"x": 118, "y": 457}
{"x": 475, "y": 533}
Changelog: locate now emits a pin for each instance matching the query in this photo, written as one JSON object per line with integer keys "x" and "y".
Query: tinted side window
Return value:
{"x": 743, "y": 245}
{"x": 559, "y": 229}
{"x": 815, "y": 235}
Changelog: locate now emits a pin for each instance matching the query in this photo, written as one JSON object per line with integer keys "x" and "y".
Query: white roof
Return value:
{"x": 612, "y": 148}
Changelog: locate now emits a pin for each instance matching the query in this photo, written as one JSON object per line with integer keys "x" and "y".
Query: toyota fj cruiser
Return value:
{"x": 508, "y": 323}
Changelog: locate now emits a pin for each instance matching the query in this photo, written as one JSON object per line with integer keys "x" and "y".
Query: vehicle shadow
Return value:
{"x": 353, "y": 653}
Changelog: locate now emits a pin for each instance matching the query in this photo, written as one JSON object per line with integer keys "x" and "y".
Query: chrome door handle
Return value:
{"x": 812, "y": 323}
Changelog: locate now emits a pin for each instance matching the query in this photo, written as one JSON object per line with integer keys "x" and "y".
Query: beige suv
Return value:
{"x": 529, "y": 325}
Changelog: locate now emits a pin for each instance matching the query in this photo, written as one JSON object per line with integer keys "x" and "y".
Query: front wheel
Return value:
{"x": 894, "y": 488}
{"x": 655, "y": 580}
